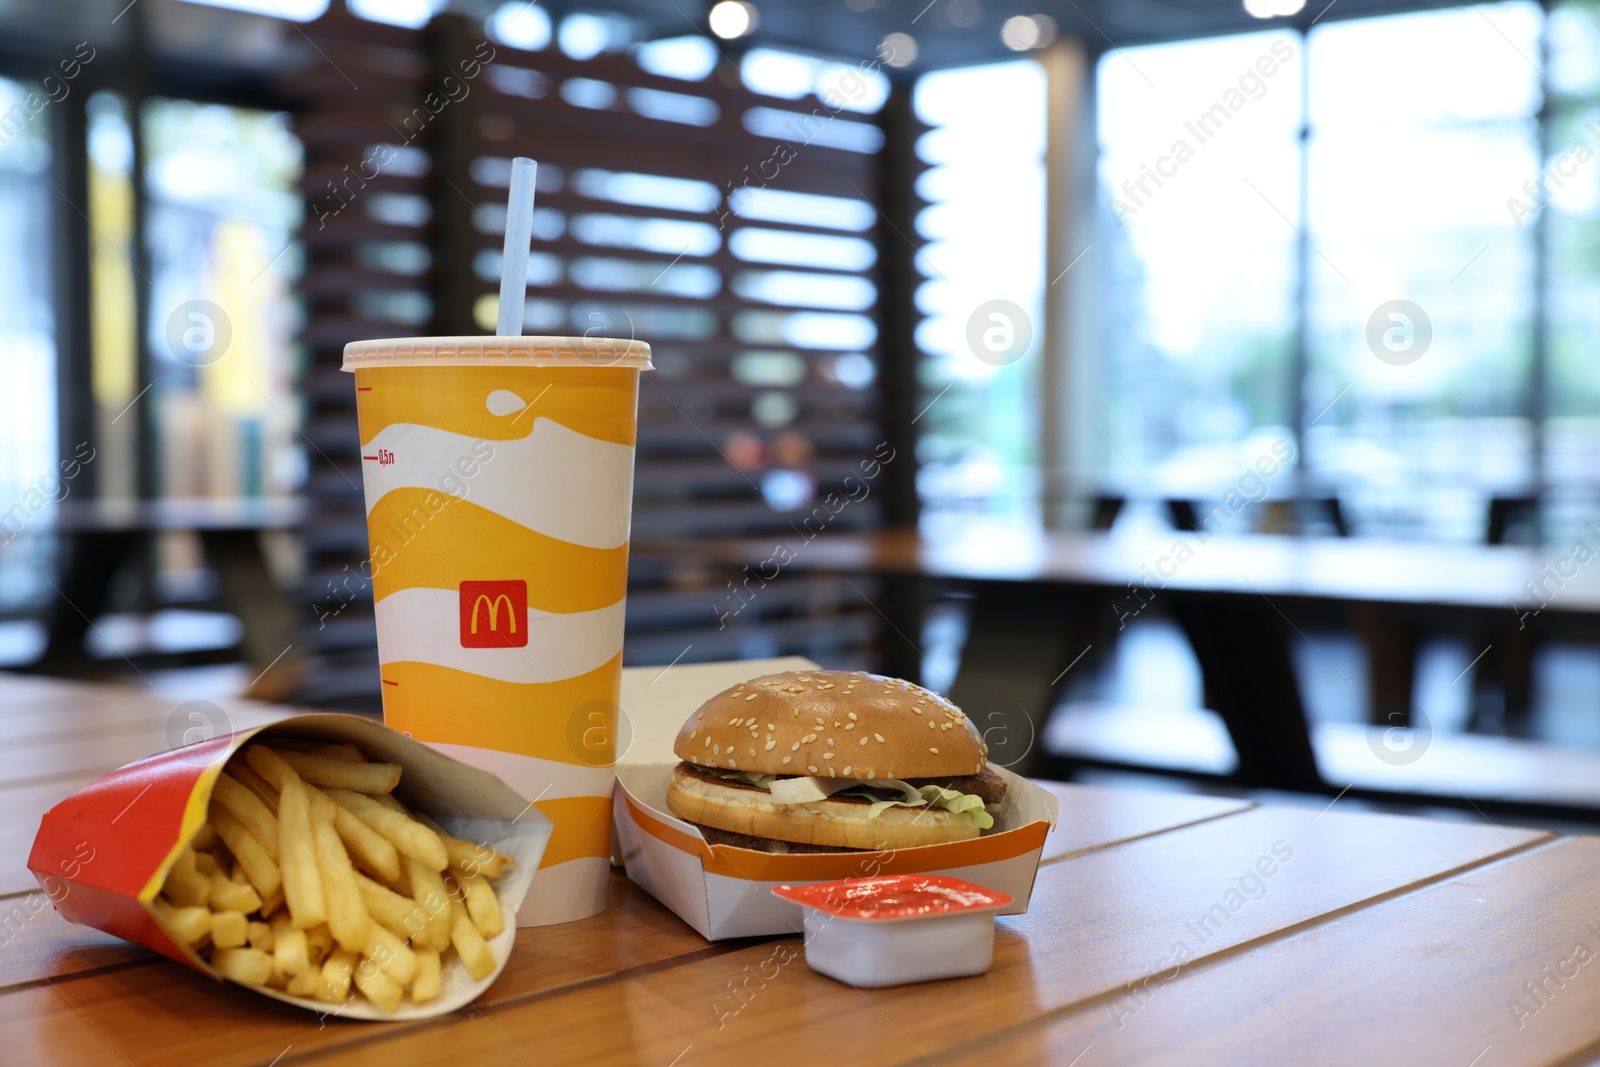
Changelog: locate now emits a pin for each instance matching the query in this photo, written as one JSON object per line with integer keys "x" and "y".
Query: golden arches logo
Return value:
{"x": 482, "y": 601}
{"x": 494, "y": 612}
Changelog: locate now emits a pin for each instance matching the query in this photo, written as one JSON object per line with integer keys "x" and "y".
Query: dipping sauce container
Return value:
{"x": 897, "y": 929}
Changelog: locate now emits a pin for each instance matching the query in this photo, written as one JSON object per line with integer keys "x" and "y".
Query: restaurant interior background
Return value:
{"x": 981, "y": 268}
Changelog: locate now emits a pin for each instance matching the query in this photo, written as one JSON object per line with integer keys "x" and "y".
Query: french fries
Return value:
{"x": 409, "y": 837}
{"x": 312, "y": 878}
{"x": 342, "y": 774}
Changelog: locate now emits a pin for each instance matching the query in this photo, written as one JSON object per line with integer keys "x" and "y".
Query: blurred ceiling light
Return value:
{"x": 1023, "y": 32}
{"x": 1268, "y": 9}
{"x": 520, "y": 26}
{"x": 898, "y": 50}
{"x": 586, "y": 36}
{"x": 733, "y": 18}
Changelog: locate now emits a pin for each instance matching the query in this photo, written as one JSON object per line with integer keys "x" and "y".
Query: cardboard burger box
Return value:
{"x": 102, "y": 855}
{"x": 724, "y": 891}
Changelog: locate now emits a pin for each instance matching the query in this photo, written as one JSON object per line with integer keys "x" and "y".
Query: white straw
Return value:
{"x": 519, "y": 231}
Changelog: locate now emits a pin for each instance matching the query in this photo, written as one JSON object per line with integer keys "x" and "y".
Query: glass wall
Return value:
{"x": 1198, "y": 166}
{"x": 1571, "y": 218}
{"x": 223, "y": 205}
{"x": 1421, "y": 126}
{"x": 981, "y": 298}
{"x": 1448, "y": 214}
{"x": 30, "y": 479}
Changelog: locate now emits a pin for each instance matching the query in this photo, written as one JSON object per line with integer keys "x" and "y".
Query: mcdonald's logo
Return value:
{"x": 494, "y": 614}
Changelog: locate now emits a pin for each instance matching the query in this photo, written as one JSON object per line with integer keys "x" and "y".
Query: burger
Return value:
{"x": 829, "y": 761}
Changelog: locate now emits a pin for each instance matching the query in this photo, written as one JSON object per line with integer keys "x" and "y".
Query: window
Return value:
{"x": 1406, "y": 338}
{"x": 981, "y": 298}
{"x": 1421, "y": 126}
{"x": 1198, "y": 163}
{"x": 223, "y": 205}
{"x": 29, "y": 476}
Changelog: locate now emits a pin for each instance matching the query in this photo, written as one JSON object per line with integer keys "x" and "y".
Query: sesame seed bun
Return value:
{"x": 832, "y": 724}
{"x": 826, "y": 823}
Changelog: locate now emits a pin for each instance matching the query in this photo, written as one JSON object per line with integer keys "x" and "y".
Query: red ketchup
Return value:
{"x": 894, "y": 896}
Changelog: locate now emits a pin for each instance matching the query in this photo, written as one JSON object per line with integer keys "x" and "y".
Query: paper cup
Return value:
{"x": 103, "y": 854}
{"x": 499, "y": 490}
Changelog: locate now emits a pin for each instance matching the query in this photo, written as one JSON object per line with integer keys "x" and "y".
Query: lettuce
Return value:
{"x": 760, "y": 781}
{"x": 914, "y": 796}
{"x": 927, "y": 796}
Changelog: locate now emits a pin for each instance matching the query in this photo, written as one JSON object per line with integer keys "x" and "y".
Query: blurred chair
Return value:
{"x": 1512, "y": 520}
{"x": 1502, "y": 681}
{"x": 1183, "y": 515}
{"x": 1106, "y": 508}
{"x": 1313, "y": 516}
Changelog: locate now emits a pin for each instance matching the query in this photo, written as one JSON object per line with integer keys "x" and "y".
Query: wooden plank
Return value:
{"x": 59, "y": 736}
{"x": 1097, "y": 922}
{"x": 1441, "y": 976}
{"x": 36, "y": 943}
{"x": 160, "y": 1013}
{"x": 21, "y": 810}
{"x": 1092, "y": 817}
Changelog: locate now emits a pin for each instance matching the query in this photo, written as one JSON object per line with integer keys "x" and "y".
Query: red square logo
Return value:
{"x": 494, "y": 614}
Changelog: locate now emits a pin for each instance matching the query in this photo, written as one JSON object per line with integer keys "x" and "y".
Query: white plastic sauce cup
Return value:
{"x": 896, "y": 929}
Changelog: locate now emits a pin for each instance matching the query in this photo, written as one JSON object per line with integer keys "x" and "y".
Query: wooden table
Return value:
{"x": 1041, "y": 597}
{"x": 98, "y": 538}
{"x": 1374, "y": 939}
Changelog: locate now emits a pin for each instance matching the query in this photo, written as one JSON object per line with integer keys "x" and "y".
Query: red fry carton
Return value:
{"x": 723, "y": 891}
{"x": 102, "y": 855}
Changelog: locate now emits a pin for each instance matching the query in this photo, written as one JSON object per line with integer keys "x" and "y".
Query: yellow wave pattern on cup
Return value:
{"x": 485, "y": 484}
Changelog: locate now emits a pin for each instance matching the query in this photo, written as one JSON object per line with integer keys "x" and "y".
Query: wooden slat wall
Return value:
{"x": 415, "y": 250}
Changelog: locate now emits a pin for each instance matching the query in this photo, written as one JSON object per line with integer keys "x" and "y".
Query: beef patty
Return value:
{"x": 986, "y": 784}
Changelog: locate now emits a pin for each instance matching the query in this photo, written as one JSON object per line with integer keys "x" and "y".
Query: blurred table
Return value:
{"x": 98, "y": 537}
{"x": 1164, "y": 929}
{"x": 1041, "y": 597}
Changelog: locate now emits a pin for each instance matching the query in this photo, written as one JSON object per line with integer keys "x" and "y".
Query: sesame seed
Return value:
{"x": 849, "y": 726}
{"x": 827, "y": 755}
{"x": 786, "y": 759}
{"x": 835, "y": 724}
{"x": 716, "y": 750}
{"x": 852, "y": 716}
{"x": 707, "y": 742}
{"x": 752, "y": 751}
{"x": 692, "y": 733}
{"x": 808, "y": 738}
{"x": 864, "y": 740}
{"x": 879, "y": 738}
{"x": 830, "y": 773}
{"x": 731, "y": 763}
{"x": 917, "y": 710}
{"x": 847, "y": 772}
{"x": 770, "y": 727}
{"x": 933, "y": 750}
{"x": 752, "y": 696}
{"x": 813, "y": 770}
{"x": 771, "y": 745}
{"x": 933, "y": 725}
{"x": 795, "y": 747}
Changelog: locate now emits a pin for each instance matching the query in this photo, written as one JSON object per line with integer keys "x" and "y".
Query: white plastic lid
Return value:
{"x": 497, "y": 352}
